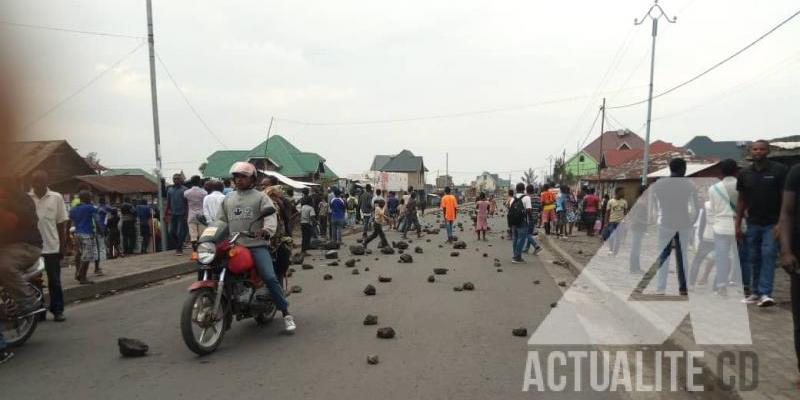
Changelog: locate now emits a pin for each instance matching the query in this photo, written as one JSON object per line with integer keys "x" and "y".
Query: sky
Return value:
{"x": 500, "y": 86}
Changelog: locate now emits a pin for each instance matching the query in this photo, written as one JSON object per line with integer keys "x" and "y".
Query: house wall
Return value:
{"x": 416, "y": 179}
{"x": 580, "y": 168}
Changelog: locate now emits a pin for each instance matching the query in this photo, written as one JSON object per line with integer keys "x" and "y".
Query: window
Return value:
{"x": 580, "y": 159}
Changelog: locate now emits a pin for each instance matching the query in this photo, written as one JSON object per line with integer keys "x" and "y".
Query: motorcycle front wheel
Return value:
{"x": 17, "y": 331}
{"x": 201, "y": 332}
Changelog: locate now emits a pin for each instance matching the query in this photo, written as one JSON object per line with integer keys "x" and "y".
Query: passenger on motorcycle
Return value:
{"x": 20, "y": 247}
{"x": 239, "y": 210}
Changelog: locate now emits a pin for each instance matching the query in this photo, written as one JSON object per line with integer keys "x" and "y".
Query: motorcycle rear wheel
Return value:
{"x": 266, "y": 316}
{"x": 196, "y": 313}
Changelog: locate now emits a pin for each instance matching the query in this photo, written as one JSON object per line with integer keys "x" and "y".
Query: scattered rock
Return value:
{"x": 384, "y": 279}
{"x": 502, "y": 237}
{"x": 357, "y": 250}
{"x": 372, "y": 359}
{"x": 431, "y": 278}
{"x": 457, "y": 288}
{"x": 355, "y": 271}
{"x": 371, "y": 319}
{"x": 297, "y": 258}
{"x": 331, "y": 255}
{"x": 386, "y": 332}
{"x": 499, "y": 270}
{"x": 359, "y": 240}
{"x": 553, "y": 305}
{"x": 402, "y": 245}
{"x": 132, "y": 347}
{"x": 401, "y": 251}
{"x": 330, "y": 246}
{"x": 289, "y": 274}
{"x": 440, "y": 246}
{"x": 406, "y": 258}
{"x": 366, "y": 269}
{"x": 333, "y": 264}
{"x": 440, "y": 271}
{"x": 522, "y": 332}
{"x": 460, "y": 245}
{"x": 418, "y": 250}
{"x": 350, "y": 263}
{"x": 296, "y": 289}
{"x": 387, "y": 250}
{"x": 377, "y": 259}
{"x": 368, "y": 251}
{"x": 291, "y": 270}
{"x": 468, "y": 286}
{"x": 536, "y": 282}
{"x": 562, "y": 284}
{"x": 427, "y": 240}
{"x": 454, "y": 254}
{"x": 327, "y": 277}
{"x": 485, "y": 255}
{"x": 580, "y": 251}
{"x": 497, "y": 264}
{"x": 369, "y": 290}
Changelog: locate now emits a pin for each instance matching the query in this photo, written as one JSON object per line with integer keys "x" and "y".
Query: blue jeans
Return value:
{"x": 531, "y": 240}
{"x": 52, "y": 264}
{"x": 722, "y": 252}
{"x": 449, "y": 226}
{"x": 703, "y": 249}
{"x": 636, "y": 249}
{"x": 178, "y": 228}
{"x": 763, "y": 252}
{"x": 663, "y": 260}
{"x": 616, "y": 240}
{"x": 519, "y": 234}
{"x": 336, "y": 230}
{"x": 266, "y": 270}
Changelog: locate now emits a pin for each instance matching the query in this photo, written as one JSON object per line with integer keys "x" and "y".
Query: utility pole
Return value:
{"x": 655, "y": 13}
{"x": 156, "y": 130}
{"x": 602, "y": 133}
{"x": 447, "y": 168}
{"x": 266, "y": 144}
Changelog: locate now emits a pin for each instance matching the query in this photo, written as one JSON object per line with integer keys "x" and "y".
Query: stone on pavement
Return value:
{"x": 386, "y": 332}
{"x": 308, "y": 266}
{"x": 350, "y": 263}
{"x": 327, "y": 277}
{"x": 519, "y": 332}
{"x": 406, "y": 258}
{"x": 371, "y": 319}
{"x": 431, "y": 278}
{"x": 468, "y": 286}
{"x": 440, "y": 271}
{"x": 132, "y": 347}
{"x": 296, "y": 289}
{"x": 331, "y": 255}
{"x": 357, "y": 250}
{"x": 384, "y": 279}
{"x": 372, "y": 359}
{"x": 369, "y": 290}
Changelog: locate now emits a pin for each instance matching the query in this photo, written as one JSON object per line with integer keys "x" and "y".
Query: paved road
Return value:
{"x": 448, "y": 345}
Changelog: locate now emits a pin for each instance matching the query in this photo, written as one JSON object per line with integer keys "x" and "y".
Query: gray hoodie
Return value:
{"x": 241, "y": 208}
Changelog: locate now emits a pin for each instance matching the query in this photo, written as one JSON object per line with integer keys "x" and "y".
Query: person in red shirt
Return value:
{"x": 590, "y": 206}
{"x": 449, "y": 209}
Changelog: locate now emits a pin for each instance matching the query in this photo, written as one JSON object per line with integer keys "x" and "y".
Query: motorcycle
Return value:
{"x": 228, "y": 286}
{"x": 17, "y": 330}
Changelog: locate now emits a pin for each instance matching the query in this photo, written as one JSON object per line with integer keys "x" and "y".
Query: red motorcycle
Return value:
{"x": 229, "y": 286}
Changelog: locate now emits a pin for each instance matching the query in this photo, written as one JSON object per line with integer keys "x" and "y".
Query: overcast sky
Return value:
{"x": 343, "y": 61}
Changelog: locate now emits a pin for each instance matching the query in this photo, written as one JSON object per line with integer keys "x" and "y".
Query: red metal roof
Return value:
{"x": 632, "y": 169}
{"x": 614, "y": 140}
{"x": 618, "y": 157}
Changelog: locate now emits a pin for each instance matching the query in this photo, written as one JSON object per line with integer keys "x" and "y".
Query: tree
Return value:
{"x": 560, "y": 173}
{"x": 202, "y": 168}
{"x": 529, "y": 177}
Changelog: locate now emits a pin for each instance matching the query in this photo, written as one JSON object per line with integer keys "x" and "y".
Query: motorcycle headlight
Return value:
{"x": 205, "y": 253}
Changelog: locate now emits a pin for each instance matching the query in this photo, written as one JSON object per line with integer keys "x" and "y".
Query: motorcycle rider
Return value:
{"x": 20, "y": 247}
{"x": 239, "y": 210}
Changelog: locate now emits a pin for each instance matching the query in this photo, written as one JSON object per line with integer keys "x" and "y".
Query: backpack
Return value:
{"x": 516, "y": 212}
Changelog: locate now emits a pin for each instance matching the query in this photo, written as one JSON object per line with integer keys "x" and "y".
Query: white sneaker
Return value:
{"x": 766, "y": 301}
{"x": 289, "y": 322}
{"x": 752, "y": 299}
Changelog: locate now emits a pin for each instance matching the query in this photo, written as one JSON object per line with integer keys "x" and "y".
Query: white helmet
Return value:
{"x": 243, "y": 168}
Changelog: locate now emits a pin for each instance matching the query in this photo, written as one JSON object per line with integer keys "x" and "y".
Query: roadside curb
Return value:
{"x": 127, "y": 281}
{"x": 678, "y": 338}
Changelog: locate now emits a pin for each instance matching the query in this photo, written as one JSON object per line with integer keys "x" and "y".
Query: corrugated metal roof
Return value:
{"x": 405, "y": 161}
{"x": 632, "y": 169}
{"x": 25, "y": 157}
{"x": 613, "y": 140}
{"x": 122, "y": 184}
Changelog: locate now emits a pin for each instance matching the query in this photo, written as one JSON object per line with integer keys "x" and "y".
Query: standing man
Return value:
{"x": 532, "y": 217}
{"x": 720, "y": 218}
{"x": 760, "y": 188}
{"x": 82, "y": 216}
{"x": 53, "y": 225}
{"x": 212, "y": 202}
{"x": 450, "y": 209}
{"x": 789, "y": 227}
{"x": 337, "y": 206}
{"x": 194, "y": 202}
{"x": 590, "y": 205}
{"x": 518, "y": 212}
{"x": 548, "y": 199}
{"x": 176, "y": 207}
{"x": 128, "y": 212}
{"x": 391, "y": 204}
{"x": 411, "y": 216}
{"x": 145, "y": 215}
{"x": 365, "y": 204}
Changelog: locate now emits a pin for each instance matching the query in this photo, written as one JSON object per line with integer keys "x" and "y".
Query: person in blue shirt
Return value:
{"x": 82, "y": 217}
{"x": 561, "y": 211}
{"x": 338, "y": 209}
{"x": 144, "y": 214}
{"x": 177, "y": 209}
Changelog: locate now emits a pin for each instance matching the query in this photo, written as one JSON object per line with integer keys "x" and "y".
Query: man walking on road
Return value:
{"x": 411, "y": 216}
{"x": 789, "y": 228}
{"x": 194, "y": 202}
{"x": 518, "y": 213}
{"x": 449, "y": 210}
{"x": 532, "y": 216}
{"x": 760, "y": 188}
{"x": 53, "y": 225}
{"x": 365, "y": 202}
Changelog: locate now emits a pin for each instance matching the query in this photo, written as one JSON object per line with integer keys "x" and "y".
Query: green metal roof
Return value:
{"x": 219, "y": 163}
{"x": 291, "y": 161}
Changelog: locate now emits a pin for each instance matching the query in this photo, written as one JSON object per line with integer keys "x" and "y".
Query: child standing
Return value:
{"x": 307, "y": 217}
{"x": 482, "y": 224}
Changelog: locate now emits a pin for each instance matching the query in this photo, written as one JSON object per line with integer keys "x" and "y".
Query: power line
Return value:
{"x": 186, "y": 99}
{"x": 82, "y": 88}
{"x": 713, "y": 67}
{"x": 53, "y": 28}
{"x": 596, "y": 117}
{"x": 433, "y": 117}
